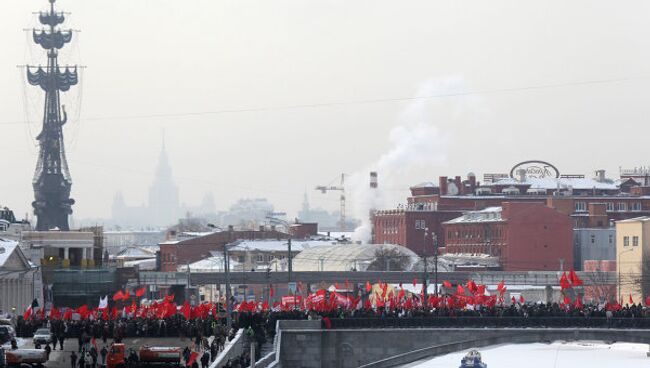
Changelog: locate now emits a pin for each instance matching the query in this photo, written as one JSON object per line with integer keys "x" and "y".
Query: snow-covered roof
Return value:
{"x": 344, "y": 257}
{"x": 489, "y": 214}
{"x": 135, "y": 252}
{"x": 210, "y": 264}
{"x": 7, "y": 248}
{"x": 635, "y": 219}
{"x": 553, "y": 183}
{"x": 278, "y": 245}
{"x": 426, "y": 184}
{"x": 148, "y": 264}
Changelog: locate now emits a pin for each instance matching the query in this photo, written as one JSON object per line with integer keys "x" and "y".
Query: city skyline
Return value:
{"x": 279, "y": 128}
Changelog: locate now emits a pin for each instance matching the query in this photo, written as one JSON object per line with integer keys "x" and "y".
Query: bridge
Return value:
{"x": 306, "y": 344}
{"x": 534, "y": 278}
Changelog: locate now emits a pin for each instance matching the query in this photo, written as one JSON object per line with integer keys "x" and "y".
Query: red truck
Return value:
{"x": 146, "y": 356}
{"x": 25, "y": 357}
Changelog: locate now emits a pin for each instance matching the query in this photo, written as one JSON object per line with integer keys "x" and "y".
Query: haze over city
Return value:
{"x": 270, "y": 99}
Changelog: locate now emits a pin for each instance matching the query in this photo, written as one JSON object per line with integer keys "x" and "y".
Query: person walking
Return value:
{"x": 73, "y": 360}
{"x": 104, "y": 353}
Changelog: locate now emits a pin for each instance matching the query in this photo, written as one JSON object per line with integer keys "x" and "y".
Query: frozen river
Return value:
{"x": 555, "y": 355}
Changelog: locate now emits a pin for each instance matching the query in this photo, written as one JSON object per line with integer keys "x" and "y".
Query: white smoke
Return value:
{"x": 418, "y": 143}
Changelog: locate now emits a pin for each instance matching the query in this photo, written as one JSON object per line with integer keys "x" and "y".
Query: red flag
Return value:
{"x": 460, "y": 290}
{"x": 336, "y": 285}
{"x": 55, "y": 313}
{"x": 41, "y": 313}
{"x": 446, "y": 284}
{"x": 575, "y": 280}
{"x": 415, "y": 282}
{"x": 513, "y": 300}
{"x": 126, "y": 295}
{"x": 368, "y": 286}
{"x": 400, "y": 295}
{"x": 271, "y": 291}
{"x": 114, "y": 313}
{"x": 28, "y": 313}
{"x": 578, "y": 303}
{"x": 481, "y": 290}
{"x": 140, "y": 292}
{"x": 192, "y": 359}
{"x": 169, "y": 298}
{"x": 186, "y": 310}
{"x": 68, "y": 314}
{"x": 521, "y": 299}
{"x": 471, "y": 285}
{"x": 631, "y": 300}
{"x": 564, "y": 282}
{"x": 118, "y": 296}
{"x": 567, "y": 300}
{"x": 647, "y": 301}
{"x": 501, "y": 285}
{"x": 299, "y": 287}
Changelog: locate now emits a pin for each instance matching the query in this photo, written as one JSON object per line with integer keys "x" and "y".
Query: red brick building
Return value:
{"x": 175, "y": 253}
{"x": 526, "y": 236}
{"x": 431, "y": 204}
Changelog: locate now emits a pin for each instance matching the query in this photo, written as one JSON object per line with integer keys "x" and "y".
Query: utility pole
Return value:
{"x": 226, "y": 267}
{"x": 426, "y": 273}
{"x": 435, "y": 259}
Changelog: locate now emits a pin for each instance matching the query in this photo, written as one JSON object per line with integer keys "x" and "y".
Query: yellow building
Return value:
{"x": 633, "y": 259}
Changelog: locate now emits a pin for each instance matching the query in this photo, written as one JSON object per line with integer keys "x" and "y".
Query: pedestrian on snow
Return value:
{"x": 73, "y": 360}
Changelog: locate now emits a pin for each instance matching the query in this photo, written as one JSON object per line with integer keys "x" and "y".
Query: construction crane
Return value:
{"x": 341, "y": 188}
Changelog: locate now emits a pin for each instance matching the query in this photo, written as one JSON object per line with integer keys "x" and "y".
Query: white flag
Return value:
{"x": 103, "y": 303}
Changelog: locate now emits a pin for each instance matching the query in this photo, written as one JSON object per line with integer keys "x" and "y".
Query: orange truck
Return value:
{"x": 25, "y": 357}
{"x": 146, "y": 356}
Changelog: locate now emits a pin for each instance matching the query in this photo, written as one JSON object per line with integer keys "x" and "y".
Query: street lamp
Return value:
{"x": 424, "y": 282}
{"x": 618, "y": 266}
{"x": 435, "y": 260}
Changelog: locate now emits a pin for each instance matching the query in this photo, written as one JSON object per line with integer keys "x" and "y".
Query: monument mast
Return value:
{"x": 52, "y": 182}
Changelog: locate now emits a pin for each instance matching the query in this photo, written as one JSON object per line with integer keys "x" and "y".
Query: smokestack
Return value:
{"x": 442, "y": 183}
{"x": 600, "y": 176}
{"x": 472, "y": 182}
{"x": 373, "y": 180}
{"x": 521, "y": 175}
{"x": 459, "y": 185}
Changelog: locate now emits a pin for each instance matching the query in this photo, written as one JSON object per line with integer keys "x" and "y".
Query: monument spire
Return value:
{"x": 52, "y": 182}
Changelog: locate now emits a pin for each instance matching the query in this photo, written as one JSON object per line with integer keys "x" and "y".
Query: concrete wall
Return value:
{"x": 233, "y": 348}
{"x": 316, "y": 348}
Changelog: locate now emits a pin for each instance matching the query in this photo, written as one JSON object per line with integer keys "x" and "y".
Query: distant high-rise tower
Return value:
{"x": 52, "y": 182}
{"x": 163, "y": 193}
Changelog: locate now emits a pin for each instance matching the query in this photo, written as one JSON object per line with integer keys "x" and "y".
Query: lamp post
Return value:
{"x": 289, "y": 256}
{"x": 618, "y": 267}
{"x": 424, "y": 282}
{"x": 226, "y": 267}
{"x": 435, "y": 260}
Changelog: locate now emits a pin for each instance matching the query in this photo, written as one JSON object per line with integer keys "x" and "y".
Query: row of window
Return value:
{"x": 626, "y": 241}
{"x": 611, "y": 206}
{"x": 593, "y": 239}
{"x": 488, "y": 233}
{"x": 420, "y": 225}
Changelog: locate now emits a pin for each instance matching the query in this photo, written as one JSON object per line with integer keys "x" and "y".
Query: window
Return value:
{"x": 419, "y": 224}
{"x": 621, "y": 206}
{"x": 581, "y": 206}
{"x": 626, "y": 241}
{"x": 636, "y": 206}
{"x": 635, "y": 241}
{"x": 611, "y": 238}
{"x": 610, "y": 207}
{"x": 593, "y": 238}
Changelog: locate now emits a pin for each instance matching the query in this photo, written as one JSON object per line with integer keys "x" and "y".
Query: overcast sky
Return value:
{"x": 327, "y": 86}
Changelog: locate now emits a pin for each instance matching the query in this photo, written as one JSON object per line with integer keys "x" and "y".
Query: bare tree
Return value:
{"x": 389, "y": 259}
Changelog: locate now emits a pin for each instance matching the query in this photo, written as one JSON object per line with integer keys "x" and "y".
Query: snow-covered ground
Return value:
{"x": 555, "y": 355}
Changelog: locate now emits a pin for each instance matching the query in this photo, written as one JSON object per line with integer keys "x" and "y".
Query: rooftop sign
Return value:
{"x": 536, "y": 169}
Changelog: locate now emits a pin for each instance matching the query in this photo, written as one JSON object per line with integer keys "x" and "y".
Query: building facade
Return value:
{"x": 19, "y": 281}
{"x": 513, "y": 232}
{"x": 633, "y": 258}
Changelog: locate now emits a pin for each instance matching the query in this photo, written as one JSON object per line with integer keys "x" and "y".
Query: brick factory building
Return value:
{"x": 513, "y": 232}
{"x": 590, "y": 203}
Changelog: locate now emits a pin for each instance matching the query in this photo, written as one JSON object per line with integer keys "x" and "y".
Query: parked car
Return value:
{"x": 6, "y": 334}
{"x": 42, "y": 336}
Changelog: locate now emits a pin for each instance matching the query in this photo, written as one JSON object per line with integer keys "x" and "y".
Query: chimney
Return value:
{"x": 521, "y": 175}
{"x": 231, "y": 228}
{"x": 261, "y": 227}
{"x": 600, "y": 176}
{"x": 373, "y": 180}
{"x": 459, "y": 185}
{"x": 442, "y": 183}
{"x": 472, "y": 182}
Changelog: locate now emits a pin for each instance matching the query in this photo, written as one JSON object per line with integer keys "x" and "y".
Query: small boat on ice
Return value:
{"x": 472, "y": 360}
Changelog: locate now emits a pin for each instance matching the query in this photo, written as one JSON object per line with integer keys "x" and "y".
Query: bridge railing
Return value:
{"x": 491, "y": 322}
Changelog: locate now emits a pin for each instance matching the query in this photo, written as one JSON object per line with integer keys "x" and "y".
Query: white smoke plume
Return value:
{"x": 418, "y": 144}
